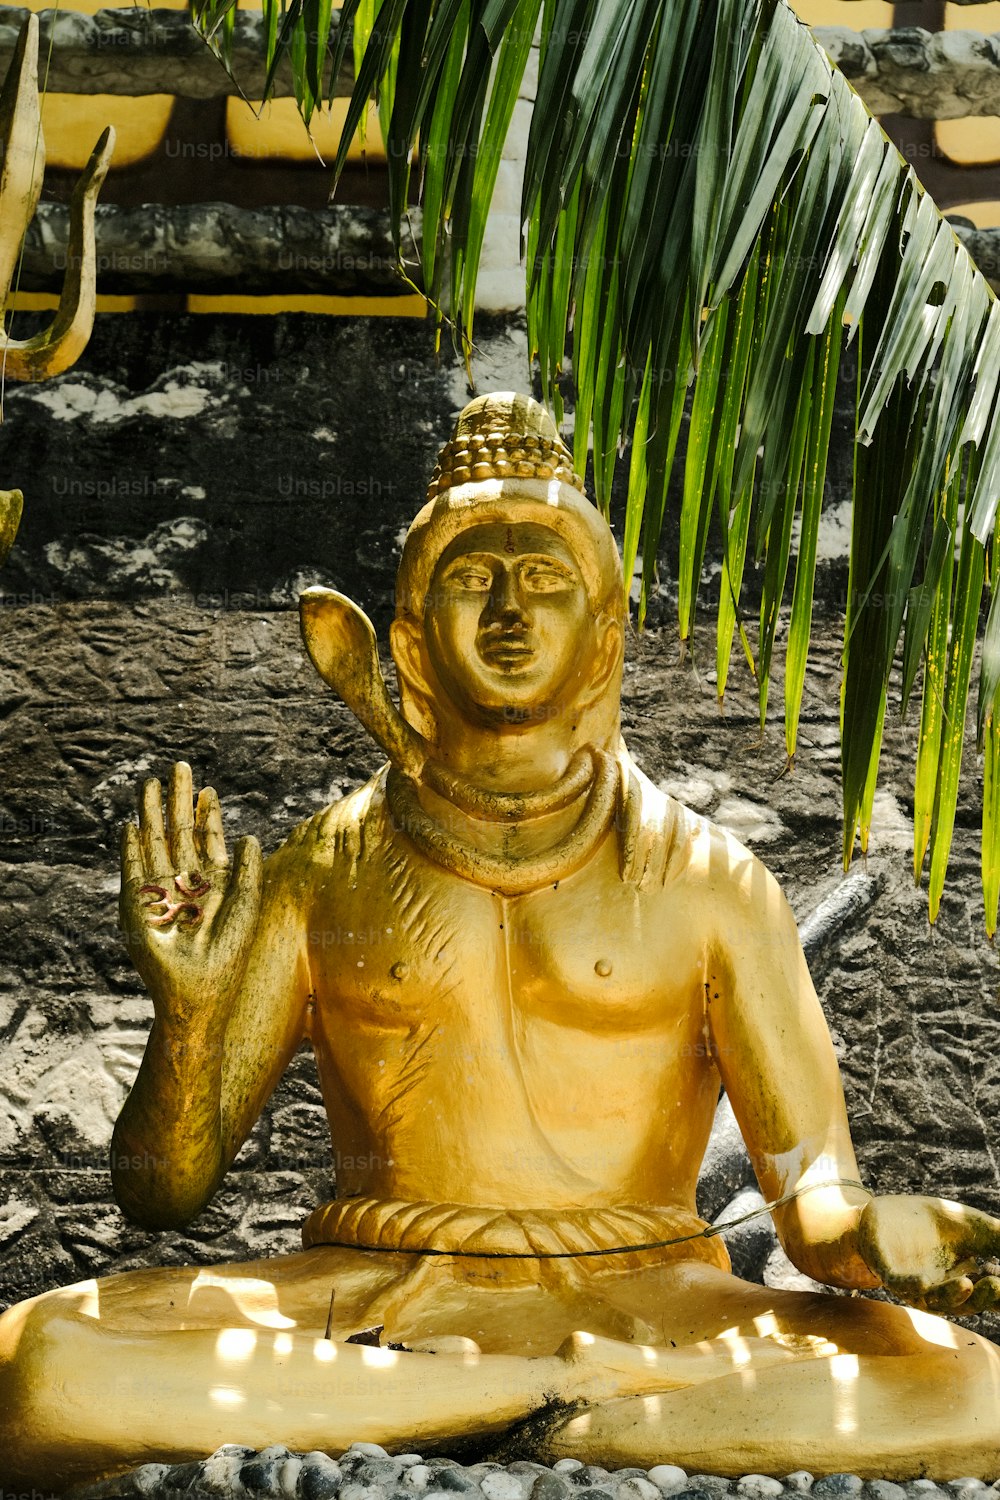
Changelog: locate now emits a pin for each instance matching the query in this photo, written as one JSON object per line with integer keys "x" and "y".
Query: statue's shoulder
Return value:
{"x": 342, "y": 828}
{"x": 662, "y": 840}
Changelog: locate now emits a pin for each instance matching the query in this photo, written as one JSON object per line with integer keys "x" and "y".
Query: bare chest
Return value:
{"x": 407, "y": 943}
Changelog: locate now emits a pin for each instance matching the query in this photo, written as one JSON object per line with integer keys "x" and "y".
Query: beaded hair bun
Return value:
{"x": 505, "y": 436}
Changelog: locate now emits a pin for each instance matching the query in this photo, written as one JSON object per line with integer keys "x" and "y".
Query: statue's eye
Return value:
{"x": 543, "y": 578}
{"x": 476, "y": 580}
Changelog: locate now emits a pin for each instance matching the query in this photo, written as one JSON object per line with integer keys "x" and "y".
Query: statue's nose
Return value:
{"x": 506, "y": 603}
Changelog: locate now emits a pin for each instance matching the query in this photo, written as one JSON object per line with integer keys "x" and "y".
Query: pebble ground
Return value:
{"x": 367, "y": 1472}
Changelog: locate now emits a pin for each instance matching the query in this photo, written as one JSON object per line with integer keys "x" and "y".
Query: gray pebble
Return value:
{"x": 417, "y": 1477}
{"x": 966, "y": 1485}
{"x": 549, "y": 1486}
{"x": 884, "y": 1489}
{"x": 567, "y": 1465}
{"x": 668, "y": 1476}
{"x": 408, "y": 1459}
{"x": 439, "y": 1494}
{"x": 637, "y": 1487}
{"x": 760, "y": 1486}
{"x": 370, "y": 1450}
{"x": 918, "y": 1487}
{"x": 321, "y": 1477}
{"x": 262, "y": 1476}
{"x": 711, "y": 1484}
{"x": 149, "y": 1478}
{"x": 220, "y": 1474}
{"x": 276, "y": 1450}
{"x": 456, "y": 1480}
{"x": 184, "y": 1476}
{"x": 801, "y": 1481}
{"x": 383, "y": 1473}
{"x": 289, "y": 1477}
{"x": 503, "y": 1486}
{"x": 837, "y": 1486}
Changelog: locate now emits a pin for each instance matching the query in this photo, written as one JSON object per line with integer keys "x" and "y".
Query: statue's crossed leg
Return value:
{"x": 736, "y": 1376}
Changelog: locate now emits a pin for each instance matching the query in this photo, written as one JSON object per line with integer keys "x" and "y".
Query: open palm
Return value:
{"x": 187, "y": 915}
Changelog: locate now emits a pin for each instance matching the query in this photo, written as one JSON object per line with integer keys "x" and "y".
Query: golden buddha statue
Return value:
{"x": 522, "y": 1061}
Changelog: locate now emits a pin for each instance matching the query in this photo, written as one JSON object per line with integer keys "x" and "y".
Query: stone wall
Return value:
{"x": 182, "y": 485}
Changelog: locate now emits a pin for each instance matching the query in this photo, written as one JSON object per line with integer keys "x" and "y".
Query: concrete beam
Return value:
{"x": 139, "y": 51}
{"x": 219, "y": 249}
{"x": 984, "y": 247}
{"x": 928, "y": 75}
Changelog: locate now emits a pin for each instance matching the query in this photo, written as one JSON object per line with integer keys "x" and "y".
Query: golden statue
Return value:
{"x": 523, "y": 971}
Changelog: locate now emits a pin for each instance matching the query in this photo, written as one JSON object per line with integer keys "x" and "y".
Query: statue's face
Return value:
{"x": 507, "y": 622}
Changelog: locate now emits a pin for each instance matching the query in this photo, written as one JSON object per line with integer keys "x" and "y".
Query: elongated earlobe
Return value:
{"x": 416, "y": 694}
{"x": 607, "y": 659}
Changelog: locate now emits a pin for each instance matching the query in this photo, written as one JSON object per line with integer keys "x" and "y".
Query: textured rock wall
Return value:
{"x": 182, "y": 485}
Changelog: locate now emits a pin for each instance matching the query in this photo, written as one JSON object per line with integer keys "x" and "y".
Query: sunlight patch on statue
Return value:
{"x": 934, "y": 1329}
{"x": 226, "y": 1395}
{"x": 253, "y": 1297}
{"x": 236, "y": 1345}
{"x": 737, "y": 1345}
{"x": 845, "y": 1370}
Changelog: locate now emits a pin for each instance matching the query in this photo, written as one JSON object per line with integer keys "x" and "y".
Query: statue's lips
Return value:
{"x": 506, "y": 650}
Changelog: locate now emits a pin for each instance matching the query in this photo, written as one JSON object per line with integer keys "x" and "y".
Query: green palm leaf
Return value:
{"x": 687, "y": 159}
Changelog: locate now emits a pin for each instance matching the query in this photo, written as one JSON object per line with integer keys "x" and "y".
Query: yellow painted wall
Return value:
{"x": 73, "y": 122}
{"x": 970, "y": 142}
{"x": 276, "y": 131}
{"x": 859, "y": 14}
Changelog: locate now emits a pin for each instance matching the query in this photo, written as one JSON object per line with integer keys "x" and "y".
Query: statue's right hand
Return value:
{"x": 187, "y": 915}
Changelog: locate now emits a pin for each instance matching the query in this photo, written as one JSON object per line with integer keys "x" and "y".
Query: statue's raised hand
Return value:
{"x": 933, "y": 1253}
{"x": 188, "y": 915}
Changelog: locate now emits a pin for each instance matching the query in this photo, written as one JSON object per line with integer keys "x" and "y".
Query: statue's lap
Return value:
{"x": 414, "y": 1297}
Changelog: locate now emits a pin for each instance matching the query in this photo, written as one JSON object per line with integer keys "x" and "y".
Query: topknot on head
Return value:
{"x": 504, "y": 435}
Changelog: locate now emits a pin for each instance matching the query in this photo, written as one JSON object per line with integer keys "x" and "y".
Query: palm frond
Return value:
{"x": 710, "y": 206}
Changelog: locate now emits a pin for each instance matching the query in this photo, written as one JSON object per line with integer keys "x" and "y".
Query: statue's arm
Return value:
{"x": 227, "y": 974}
{"x": 773, "y": 1049}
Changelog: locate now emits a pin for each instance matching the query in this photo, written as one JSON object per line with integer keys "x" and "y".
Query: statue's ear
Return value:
{"x": 416, "y": 692}
{"x": 607, "y": 657}
{"x": 406, "y": 645}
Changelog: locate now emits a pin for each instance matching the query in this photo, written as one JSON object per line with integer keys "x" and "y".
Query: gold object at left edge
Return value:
{"x": 60, "y": 345}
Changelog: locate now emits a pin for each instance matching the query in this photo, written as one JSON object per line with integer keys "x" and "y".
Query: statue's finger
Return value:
{"x": 133, "y": 869}
{"x": 208, "y": 828}
{"x": 242, "y": 896}
{"x": 968, "y": 1232}
{"x": 985, "y": 1294}
{"x": 949, "y": 1295}
{"x": 133, "y": 875}
{"x": 180, "y": 814}
{"x": 152, "y": 834}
